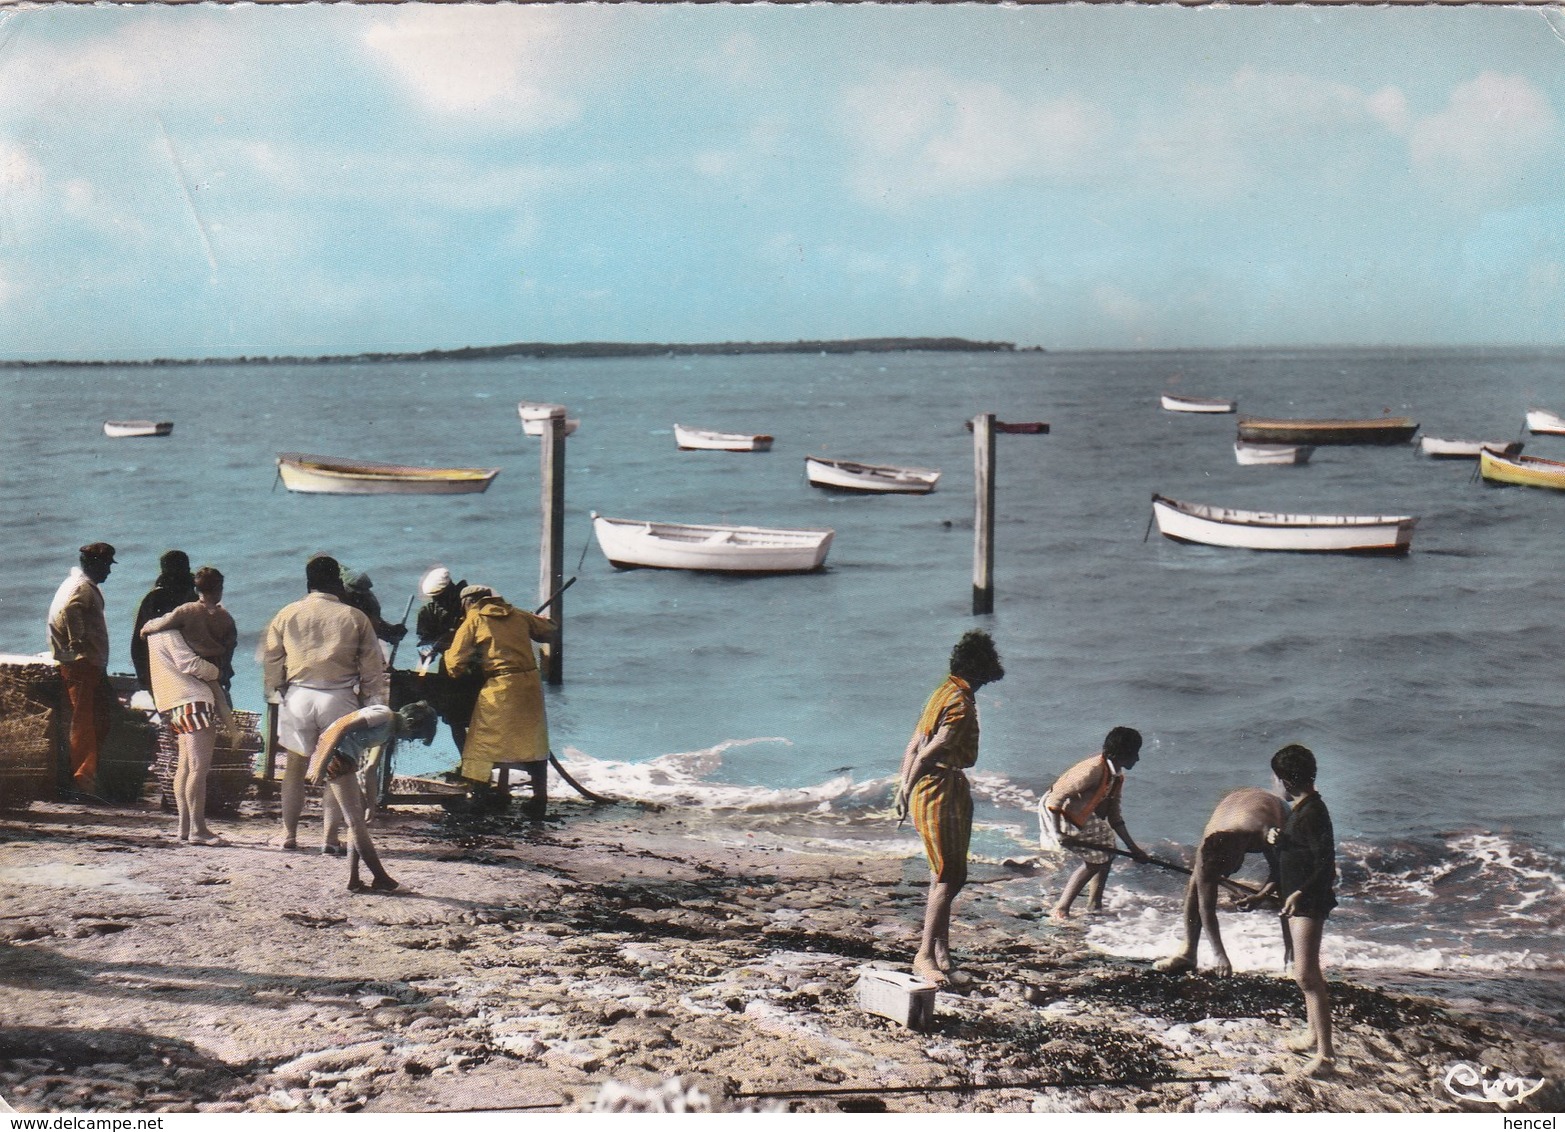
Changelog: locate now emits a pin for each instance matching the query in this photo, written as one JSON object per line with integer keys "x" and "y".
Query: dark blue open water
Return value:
{"x": 1429, "y": 686}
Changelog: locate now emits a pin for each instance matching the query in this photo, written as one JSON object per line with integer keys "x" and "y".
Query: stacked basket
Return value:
{"x": 29, "y": 699}
{"x": 233, "y": 763}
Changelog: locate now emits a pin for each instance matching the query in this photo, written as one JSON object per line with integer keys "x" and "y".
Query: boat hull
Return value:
{"x": 1196, "y": 404}
{"x": 1523, "y": 471}
{"x": 322, "y": 476}
{"x": 1440, "y": 449}
{"x": 869, "y": 479}
{"x": 1543, "y": 421}
{"x": 704, "y": 440}
{"x": 1395, "y": 430}
{"x": 137, "y": 428}
{"x": 1259, "y": 530}
{"x": 631, "y": 544}
{"x": 535, "y": 417}
{"x": 1250, "y": 454}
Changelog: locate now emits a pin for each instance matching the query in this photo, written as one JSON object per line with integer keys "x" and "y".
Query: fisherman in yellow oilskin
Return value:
{"x": 509, "y": 725}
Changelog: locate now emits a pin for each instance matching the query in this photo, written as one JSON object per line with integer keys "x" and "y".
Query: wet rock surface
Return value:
{"x": 528, "y": 966}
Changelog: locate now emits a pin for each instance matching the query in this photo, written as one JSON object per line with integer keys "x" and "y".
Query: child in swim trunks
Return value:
{"x": 1081, "y": 813}
{"x": 1306, "y": 880}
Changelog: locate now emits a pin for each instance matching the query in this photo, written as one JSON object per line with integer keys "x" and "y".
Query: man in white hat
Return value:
{"x": 437, "y": 623}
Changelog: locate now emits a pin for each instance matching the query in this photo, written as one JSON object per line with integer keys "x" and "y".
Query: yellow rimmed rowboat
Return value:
{"x": 328, "y": 475}
{"x": 1528, "y": 471}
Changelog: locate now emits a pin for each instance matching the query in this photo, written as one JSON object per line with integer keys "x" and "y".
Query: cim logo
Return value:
{"x": 1467, "y": 1082}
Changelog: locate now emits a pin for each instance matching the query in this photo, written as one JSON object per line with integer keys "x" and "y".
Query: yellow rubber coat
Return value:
{"x": 509, "y": 725}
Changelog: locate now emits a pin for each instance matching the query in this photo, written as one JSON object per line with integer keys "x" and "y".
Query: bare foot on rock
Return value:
{"x": 926, "y": 970}
{"x": 1174, "y": 964}
{"x": 1319, "y": 1066}
{"x": 1300, "y": 1043}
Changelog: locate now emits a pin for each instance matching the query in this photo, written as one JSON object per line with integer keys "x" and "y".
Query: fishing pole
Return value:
{"x": 1236, "y": 886}
{"x": 396, "y": 644}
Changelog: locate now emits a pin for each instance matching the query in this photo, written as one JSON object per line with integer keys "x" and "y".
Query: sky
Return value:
{"x": 200, "y": 181}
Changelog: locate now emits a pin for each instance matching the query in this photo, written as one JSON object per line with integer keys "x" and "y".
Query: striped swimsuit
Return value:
{"x": 941, "y": 804}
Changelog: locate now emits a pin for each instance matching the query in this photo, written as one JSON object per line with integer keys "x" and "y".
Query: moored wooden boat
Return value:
{"x": 879, "y": 479}
{"x": 1465, "y": 449}
{"x": 328, "y": 475}
{"x": 703, "y": 439}
{"x": 535, "y": 416}
{"x": 1272, "y": 453}
{"x": 1262, "y": 530}
{"x": 1177, "y": 404}
{"x": 628, "y": 543}
{"x": 1023, "y": 427}
{"x": 1541, "y": 420}
{"x": 1527, "y": 471}
{"x": 137, "y": 428}
{"x": 1376, "y": 430}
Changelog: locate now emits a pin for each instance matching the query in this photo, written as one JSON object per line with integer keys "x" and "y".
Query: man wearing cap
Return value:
{"x": 361, "y": 596}
{"x": 79, "y": 640}
{"x": 438, "y": 619}
{"x": 509, "y": 726}
{"x": 320, "y": 660}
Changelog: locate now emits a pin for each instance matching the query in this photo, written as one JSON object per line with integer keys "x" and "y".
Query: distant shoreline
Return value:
{"x": 579, "y": 350}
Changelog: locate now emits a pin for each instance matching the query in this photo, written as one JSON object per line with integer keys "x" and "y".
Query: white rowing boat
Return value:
{"x": 1272, "y": 453}
{"x": 1465, "y": 449}
{"x": 882, "y": 479}
{"x": 628, "y": 543}
{"x": 1177, "y": 404}
{"x": 1541, "y": 420}
{"x": 535, "y": 417}
{"x": 705, "y": 440}
{"x": 1262, "y": 530}
{"x": 327, "y": 475}
{"x": 137, "y": 428}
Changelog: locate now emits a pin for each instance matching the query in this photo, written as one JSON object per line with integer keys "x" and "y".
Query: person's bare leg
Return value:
{"x": 1073, "y": 887}
{"x": 1185, "y": 958}
{"x": 1306, "y": 932}
{"x": 937, "y": 927}
{"x": 181, "y": 778}
{"x": 1214, "y": 936}
{"x": 332, "y": 819}
{"x": 1100, "y": 876}
{"x": 199, "y": 745}
{"x": 349, "y": 800}
{"x": 293, "y": 796}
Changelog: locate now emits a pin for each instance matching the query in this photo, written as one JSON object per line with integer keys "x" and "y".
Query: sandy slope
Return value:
{"x": 529, "y": 965}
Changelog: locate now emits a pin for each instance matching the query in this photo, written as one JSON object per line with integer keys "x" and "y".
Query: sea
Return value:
{"x": 1429, "y": 686}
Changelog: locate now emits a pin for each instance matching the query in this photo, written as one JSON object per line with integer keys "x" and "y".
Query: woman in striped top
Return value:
{"x": 934, "y": 791}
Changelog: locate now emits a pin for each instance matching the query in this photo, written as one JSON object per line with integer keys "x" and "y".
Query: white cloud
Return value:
{"x": 1131, "y": 313}
{"x": 1227, "y": 139}
{"x": 1493, "y": 130}
{"x": 503, "y": 64}
{"x": 923, "y": 133}
{"x": 738, "y": 60}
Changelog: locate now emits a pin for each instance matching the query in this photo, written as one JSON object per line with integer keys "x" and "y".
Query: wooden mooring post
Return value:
{"x": 983, "y": 520}
{"x": 551, "y": 557}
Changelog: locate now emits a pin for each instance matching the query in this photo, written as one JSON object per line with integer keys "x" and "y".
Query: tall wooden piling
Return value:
{"x": 983, "y": 520}
{"x": 551, "y": 557}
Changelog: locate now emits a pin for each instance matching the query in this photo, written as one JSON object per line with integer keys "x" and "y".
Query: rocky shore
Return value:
{"x": 598, "y": 955}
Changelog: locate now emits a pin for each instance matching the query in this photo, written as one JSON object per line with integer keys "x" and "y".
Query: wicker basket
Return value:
{"x": 233, "y": 764}
{"x": 29, "y": 759}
